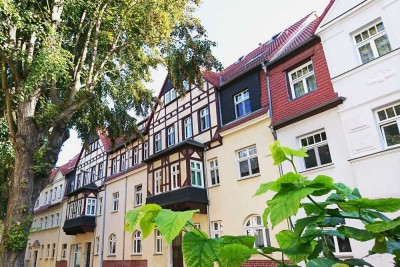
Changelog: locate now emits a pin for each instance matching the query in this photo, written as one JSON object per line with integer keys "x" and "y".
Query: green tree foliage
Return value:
{"x": 83, "y": 64}
{"x": 326, "y": 206}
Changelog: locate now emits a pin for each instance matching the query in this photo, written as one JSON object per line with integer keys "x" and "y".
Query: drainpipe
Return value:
{"x": 206, "y": 185}
{"x": 123, "y": 236}
{"x": 104, "y": 222}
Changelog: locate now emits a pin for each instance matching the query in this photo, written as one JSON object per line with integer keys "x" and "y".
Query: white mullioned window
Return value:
{"x": 157, "y": 142}
{"x": 187, "y": 126}
{"x": 317, "y": 150}
{"x": 242, "y": 103}
{"x": 157, "y": 182}
{"x": 171, "y": 136}
{"x": 248, "y": 162}
{"x": 214, "y": 174}
{"x": 204, "y": 119}
{"x": 175, "y": 176}
{"x": 53, "y": 251}
{"x": 100, "y": 172}
{"x": 138, "y": 195}
{"x": 50, "y": 195}
{"x": 60, "y": 191}
{"x": 100, "y": 206}
{"x": 389, "y": 124}
{"x": 55, "y": 193}
{"x": 302, "y": 80}
{"x": 63, "y": 251}
{"x": 135, "y": 155}
{"x": 372, "y": 42}
{"x": 158, "y": 242}
{"x": 123, "y": 162}
{"x": 91, "y": 206}
{"x": 93, "y": 176}
{"x": 196, "y": 173}
{"x": 115, "y": 201}
{"x": 145, "y": 150}
{"x": 113, "y": 166}
{"x": 338, "y": 245}
{"x": 137, "y": 243}
{"x": 112, "y": 244}
{"x": 97, "y": 245}
{"x": 170, "y": 96}
{"x": 254, "y": 227}
{"x": 216, "y": 229}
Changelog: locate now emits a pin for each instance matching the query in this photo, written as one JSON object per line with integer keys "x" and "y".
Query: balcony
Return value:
{"x": 79, "y": 225}
{"x": 186, "y": 198}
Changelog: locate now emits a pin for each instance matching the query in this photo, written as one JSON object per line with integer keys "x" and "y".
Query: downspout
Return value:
{"x": 271, "y": 127}
{"x": 123, "y": 236}
{"x": 104, "y": 222}
{"x": 206, "y": 185}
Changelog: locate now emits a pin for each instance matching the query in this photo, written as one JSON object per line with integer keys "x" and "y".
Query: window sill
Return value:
{"x": 319, "y": 168}
{"x": 114, "y": 211}
{"x": 214, "y": 185}
{"x": 137, "y": 205}
{"x": 157, "y": 254}
{"x": 249, "y": 177}
{"x": 111, "y": 256}
{"x": 136, "y": 255}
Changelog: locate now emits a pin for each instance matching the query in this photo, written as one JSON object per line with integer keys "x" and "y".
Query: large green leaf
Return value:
{"x": 277, "y": 153}
{"x": 292, "y": 247}
{"x": 286, "y": 204}
{"x": 378, "y": 227}
{"x": 147, "y": 223}
{"x": 198, "y": 250}
{"x": 302, "y": 152}
{"x": 170, "y": 223}
{"x": 380, "y": 245}
{"x": 357, "y": 234}
{"x": 357, "y": 262}
{"x": 321, "y": 263}
{"x": 301, "y": 224}
{"x": 381, "y": 204}
{"x": 244, "y": 240}
{"x": 132, "y": 220}
{"x": 234, "y": 255}
{"x": 264, "y": 188}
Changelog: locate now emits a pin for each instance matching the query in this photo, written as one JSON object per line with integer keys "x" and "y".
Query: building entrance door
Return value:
{"x": 88, "y": 252}
{"x": 35, "y": 258}
{"x": 177, "y": 256}
{"x": 76, "y": 255}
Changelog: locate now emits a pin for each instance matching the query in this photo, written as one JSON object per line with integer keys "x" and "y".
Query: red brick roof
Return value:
{"x": 68, "y": 167}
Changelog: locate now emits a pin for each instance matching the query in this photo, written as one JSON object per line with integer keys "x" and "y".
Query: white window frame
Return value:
{"x": 254, "y": 224}
{"x": 196, "y": 167}
{"x": 53, "y": 251}
{"x": 171, "y": 136}
{"x": 100, "y": 206}
{"x": 100, "y": 170}
{"x": 135, "y": 155}
{"x": 246, "y": 155}
{"x": 213, "y": 166}
{"x": 170, "y": 96}
{"x": 158, "y": 242}
{"x": 48, "y": 251}
{"x": 91, "y": 205}
{"x": 115, "y": 202}
{"x": 96, "y": 245}
{"x": 157, "y": 142}
{"x": 114, "y": 166}
{"x": 50, "y": 195}
{"x": 388, "y": 116}
{"x": 93, "y": 175}
{"x": 112, "y": 244}
{"x": 138, "y": 195}
{"x": 360, "y": 40}
{"x": 157, "y": 182}
{"x": 335, "y": 239}
{"x": 64, "y": 251}
{"x": 57, "y": 219}
{"x": 205, "y": 121}
{"x": 61, "y": 191}
{"x": 137, "y": 244}
{"x": 45, "y": 222}
{"x": 216, "y": 229}
{"x": 188, "y": 127}
{"x": 123, "y": 162}
{"x": 145, "y": 150}
{"x": 55, "y": 193}
{"x": 240, "y": 99}
{"x": 174, "y": 169}
{"x": 298, "y": 75}
{"x": 313, "y": 142}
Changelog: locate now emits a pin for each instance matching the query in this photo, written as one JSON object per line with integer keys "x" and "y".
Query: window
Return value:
{"x": 45, "y": 198}
{"x": 145, "y": 150}
{"x": 91, "y": 206}
{"x": 214, "y": 175}
{"x": 71, "y": 185}
{"x": 137, "y": 243}
{"x": 112, "y": 244}
{"x": 339, "y": 245}
{"x": 48, "y": 251}
{"x": 317, "y": 150}
{"x": 158, "y": 244}
{"x": 85, "y": 177}
{"x": 187, "y": 127}
{"x": 55, "y": 193}
{"x": 78, "y": 181}
{"x": 216, "y": 229}
{"x": 138, "y": 195}
{"x": 186, "y": 85}
{"x": 170, "y": 96}
{"x": 51, "y": 220}
{"x": 196, "y": 173}
{"x": 204, "y": 119}
{"x": 57, "y": 219}
{"x": 97, "y": 245}
{"x": 171, "y": 136}
{"x": 37, "y": 203}
{"x": 53, "y": 251}
{"x": 60, "y": 191}
{"x": 42, "y": 251}
{"x": 175, "y": 176}
{"x": 157, "y": 142}
{"x": 115, "y": 201}
{"x": 157, "y": 182}
{"x": 135, "y": 155}
{"x": 41, "y": 223}
{"x": 113, "y": 166}
{"x": 254, "y": 227}
{"x": 248, "y": 162}
{"x": 45, "y": 222}
{"x": 372, "y": 42}
{"x": 100, "y": 172}
{"x": 123, "y": 164}
{"x": 242, "y": 103}
{"x": 93, "y": 174}
{"x": 100, "y": 206}
{"x": 302, "y": 80}
{"x": 389, "y": 123}
{"x": 64, "y": 251}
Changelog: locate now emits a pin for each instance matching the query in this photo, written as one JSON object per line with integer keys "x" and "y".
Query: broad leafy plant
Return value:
{"x": 326, "y": 205}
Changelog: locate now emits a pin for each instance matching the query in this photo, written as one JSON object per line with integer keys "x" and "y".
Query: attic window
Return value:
{"x": 239, "y": 59}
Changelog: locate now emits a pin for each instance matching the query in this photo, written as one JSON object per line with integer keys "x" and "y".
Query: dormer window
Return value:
{"x": 170, "y": 96}
{"x": 302, "y": 80}
{"x": 242, "y": 103}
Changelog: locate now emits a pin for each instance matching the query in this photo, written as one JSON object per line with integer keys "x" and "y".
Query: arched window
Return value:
{"x": 253, "y": 227}
{"x": 112, "y": 244}
{"x": 137, "y": 243}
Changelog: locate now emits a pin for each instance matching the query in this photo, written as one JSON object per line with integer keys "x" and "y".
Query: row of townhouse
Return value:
{"x": 328, "y": 83}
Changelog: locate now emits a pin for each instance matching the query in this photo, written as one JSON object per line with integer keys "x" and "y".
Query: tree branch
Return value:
{"x": 68, "y": 111}
{"x": 11, "y": 123}
{"x": 78, "y": 35}
{"x": 14, "y": 69}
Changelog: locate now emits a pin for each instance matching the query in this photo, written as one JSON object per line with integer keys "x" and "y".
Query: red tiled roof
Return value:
{"x": 68, "y": 167}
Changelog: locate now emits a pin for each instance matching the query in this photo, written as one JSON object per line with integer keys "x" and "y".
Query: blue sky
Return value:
{"x": 238, "y": 26}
